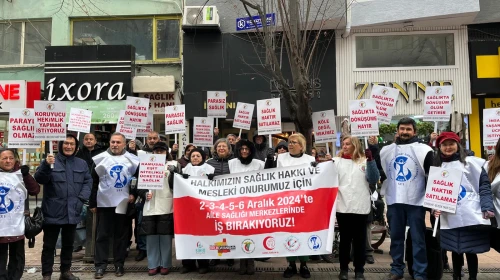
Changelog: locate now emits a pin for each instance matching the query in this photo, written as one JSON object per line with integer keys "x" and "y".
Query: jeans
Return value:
{"x": 50, "y": 235}
{"x": 352, "y": 232}
{"x": 139, "y": 239}
{"x": 14, "y": 251}
{"x": 159, "y": 248}
{"x": 110, "y": 224}
{"x": 398, "y": 216}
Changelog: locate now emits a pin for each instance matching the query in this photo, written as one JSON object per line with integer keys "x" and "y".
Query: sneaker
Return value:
{"x": 68, "y": 276}
{"x": 251, "y": 267}
{"x": 290, "y": 271}
{"x": 164, "y": 271}
{"x": 99, "y": 273}
{"x": 140, "y": 256}
{"x": 243, "y": 267}
{"x": 343, "y": 275}
{"x": 153, "y": 272}
{"x": 119, "y": 271}
{"x": 359, "y": 276}
{"x": 304, "y": 272}
{"x": 370, "y": 260}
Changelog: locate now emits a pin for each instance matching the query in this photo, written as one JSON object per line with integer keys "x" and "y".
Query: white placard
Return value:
{"x": 50, "y": 121}
{"x": 437, "y": 105}
{"x": 216, "y": 104}
{"x": 151, "y": 171}
{"x": 203, "y": 135}
{"x": 325, "y": 129}
{"x": 143, "y": 132}
{"x": 385, "y": 98}
{"x": 175, "y": 119}
{"x": 80, "y": 120}
{"x": 136, "y": 112}
{"x": 128, "y": 132}
{"x": 491, "y": 126}
{"x": 363, "y": 117}
{"x": 22, "y": 129}
{"x": 269, "y": 116}
{"x": 243, "y": 116}
{"x": 443, "y": 185}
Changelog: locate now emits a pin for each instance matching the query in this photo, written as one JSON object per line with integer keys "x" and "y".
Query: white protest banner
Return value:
{"x": 80, "y": 120}
{"x": 22, "y": 129}
{"x": 143, "y": 132}
{"x": 243, "y": 116}
{"x": 265, "y": 213}
{"x": 203, "y": 135}
{"x": 437, "y": 103}
{"x": 128, "y": 132}
{"x": 151, "y": 171}
{"x": 385, "y": 98}
{"x": 443, "y": 186}
{"x": 325, "y": 129}
{"x": 216, "y": 104}
{"x": 491, "y": 126}
{"x": 269, "y": 116}
{"x": 50, "y": 120}
{"x": 175, "y": 119}
{"x": 363, "y": 117}
{"x": 136, "y": 112}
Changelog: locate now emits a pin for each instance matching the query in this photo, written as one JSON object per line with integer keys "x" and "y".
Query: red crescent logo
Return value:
{"x": 268, "y": 243}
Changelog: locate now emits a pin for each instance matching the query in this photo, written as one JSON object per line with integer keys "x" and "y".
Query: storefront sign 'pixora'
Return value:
{"x": 74, "y": 92}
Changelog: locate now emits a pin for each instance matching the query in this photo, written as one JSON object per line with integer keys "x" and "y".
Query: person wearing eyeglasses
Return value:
{"x": 296, "y": 156}
{"x": 184, "y": 160}
{"x": 66, "y": 187}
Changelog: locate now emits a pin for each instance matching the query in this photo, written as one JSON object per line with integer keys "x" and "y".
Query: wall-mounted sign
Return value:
{"x": 82, "y": 73}
{"x": 102, "y": 112}
{"x": 247, "y": 23}
{"x": 158, "y": 101}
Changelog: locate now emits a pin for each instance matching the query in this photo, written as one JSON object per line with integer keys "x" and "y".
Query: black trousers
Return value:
{"x": 50, "y": 234}
{"x": 192, "y": 263}
{"x": 352, "y": 233}
{"x": 15, "y": 253}
{"x": 110, "y": 224}
{"x": 458, "y": 262}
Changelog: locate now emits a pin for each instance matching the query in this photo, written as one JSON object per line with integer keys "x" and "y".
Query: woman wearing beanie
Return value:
{"x": 356, "y": 171}
{"x": 245, "y": 162}
{"x": 196, "y": 167}
{"x": 466, "y": 231}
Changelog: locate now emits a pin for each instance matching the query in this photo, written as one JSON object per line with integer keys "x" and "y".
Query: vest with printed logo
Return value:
{"x": 13, "y": 194}
{"x": 404, "y": 168}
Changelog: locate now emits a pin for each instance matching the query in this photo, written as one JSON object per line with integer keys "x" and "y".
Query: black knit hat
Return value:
{"x": 202, "y": 153}
{"x": 160, "y": 146}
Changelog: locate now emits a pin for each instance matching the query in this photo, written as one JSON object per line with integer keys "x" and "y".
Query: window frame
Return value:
{"x": 364, "y": 69}
{"x": 23, "y": 37}
{"x": 155, "y": 20}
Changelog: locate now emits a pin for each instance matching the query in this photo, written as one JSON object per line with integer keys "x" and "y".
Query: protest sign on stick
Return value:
{"x": 22, "y": 129}
{"x": 128, "y": 132}
{"x": 203, "y": 132}
{"x": 491, "y": 126}
{"x": 80, "y": 120}
{"x": 136, "y": 112}
{"x": 175, "y": 119}
{"x": 437, "y": 103}
{"x": 151, "y": 171}
{"x": 385, "y": 98}
{"x": 363, "y": 117}
{"x": 143, "y": 132}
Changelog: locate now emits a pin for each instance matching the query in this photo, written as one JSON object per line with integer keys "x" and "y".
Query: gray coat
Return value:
{"x": 65, "y": 188}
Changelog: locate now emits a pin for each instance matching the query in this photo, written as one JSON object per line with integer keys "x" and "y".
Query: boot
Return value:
{"x": 251, "y": 267}
{"x": 68, "y": 276}
{"x": 243, "y": 266}
{"x": 290, "y": 271}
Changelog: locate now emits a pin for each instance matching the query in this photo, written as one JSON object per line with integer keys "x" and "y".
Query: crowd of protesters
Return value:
{"x": 103, "y": 180}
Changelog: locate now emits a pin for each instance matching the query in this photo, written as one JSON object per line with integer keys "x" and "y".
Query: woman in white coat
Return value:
{"x": 296, "y": 156}
{"x": 158, "y": 218}
{"x": 356, "y": 171}
{"x": 245, "y": 162}
{"x": 197, "y": 167}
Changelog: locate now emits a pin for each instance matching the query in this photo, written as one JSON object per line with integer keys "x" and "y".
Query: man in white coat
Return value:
{"x": 406, "y": 163}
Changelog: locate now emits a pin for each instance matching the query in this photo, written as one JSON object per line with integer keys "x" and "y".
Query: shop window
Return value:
{"x": 154, "y": 39}
{"x": 24, "y": 42}
{"x": 405, "y": 50}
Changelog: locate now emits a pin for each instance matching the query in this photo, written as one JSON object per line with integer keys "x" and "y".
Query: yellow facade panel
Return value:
{"x": 488, "y": 66}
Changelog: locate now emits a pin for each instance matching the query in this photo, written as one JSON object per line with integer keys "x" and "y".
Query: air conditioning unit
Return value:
{"x": 200, "y": 17}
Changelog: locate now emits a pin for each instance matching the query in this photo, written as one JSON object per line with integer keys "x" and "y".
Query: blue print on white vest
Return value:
{"x": 399, "y": 164}
{"x": 120, "y": 180}
{"x": 4, "y": 207}
{"x": 463, "y": 193}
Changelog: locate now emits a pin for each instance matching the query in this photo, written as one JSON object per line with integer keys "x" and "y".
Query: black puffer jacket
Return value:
{"x": 262, "y": 150}
{"x": 221, "y": 165}
{"x": 87, "y": 155}
{"x": 157, "y": 225}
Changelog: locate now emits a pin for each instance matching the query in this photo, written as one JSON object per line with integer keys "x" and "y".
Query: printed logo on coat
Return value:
{"x": 405, "y": 168}
{"x": 292, "y": 244}
{"x": 314, "y": 243}
{"x": 463, "y": 193}
{"x": 222, "y": 247}
{"x": 116, "y": 172}
{"x": 362, "y": 168}
{"x": 6, "y": 203}
{"x": 248, "y": 246}
{"x": 200, "y": 250}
